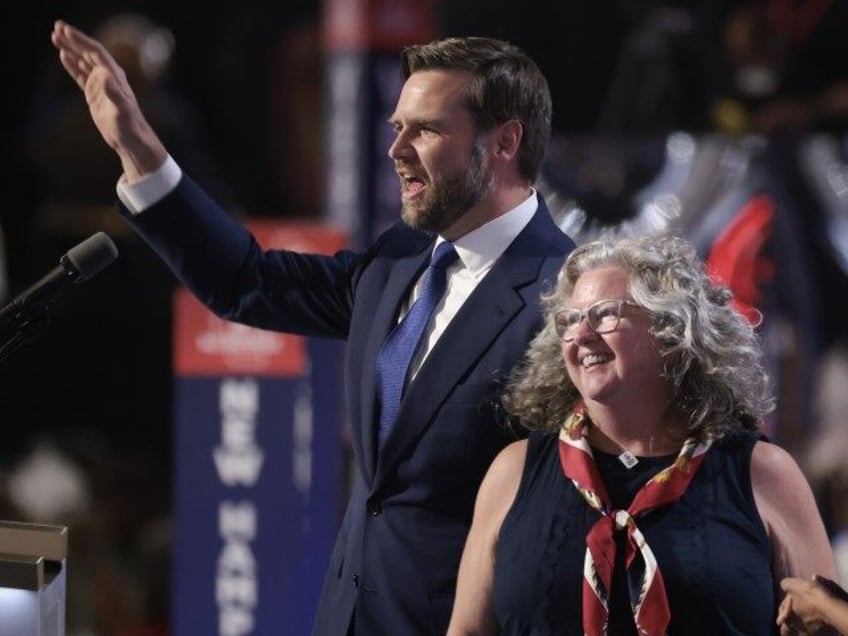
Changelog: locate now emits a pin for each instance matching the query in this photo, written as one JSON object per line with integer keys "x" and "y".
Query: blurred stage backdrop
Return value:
{"x": 214, "y": 486}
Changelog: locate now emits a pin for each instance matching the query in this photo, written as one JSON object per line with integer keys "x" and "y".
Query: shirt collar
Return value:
{"x": 481, "y": 247}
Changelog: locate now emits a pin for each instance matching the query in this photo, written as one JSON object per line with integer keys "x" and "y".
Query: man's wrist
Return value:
{"x": 151, "y": 188}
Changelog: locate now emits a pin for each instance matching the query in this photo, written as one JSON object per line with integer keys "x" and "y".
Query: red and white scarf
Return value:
{"x": 650, "y": 607}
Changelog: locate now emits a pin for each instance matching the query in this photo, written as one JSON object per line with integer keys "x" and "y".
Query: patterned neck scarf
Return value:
{"x": 647, "y": 591}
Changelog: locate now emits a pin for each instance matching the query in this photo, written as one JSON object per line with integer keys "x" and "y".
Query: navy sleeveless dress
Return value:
{"x": 711, "y": 547}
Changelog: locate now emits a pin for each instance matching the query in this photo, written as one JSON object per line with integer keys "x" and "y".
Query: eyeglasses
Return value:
{"x": 602, "y": 317}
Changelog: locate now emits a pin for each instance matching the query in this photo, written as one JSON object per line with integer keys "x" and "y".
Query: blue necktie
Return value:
{"x": 400, "y": 347}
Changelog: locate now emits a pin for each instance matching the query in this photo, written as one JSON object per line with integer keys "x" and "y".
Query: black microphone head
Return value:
{"x": 91, "y": 256}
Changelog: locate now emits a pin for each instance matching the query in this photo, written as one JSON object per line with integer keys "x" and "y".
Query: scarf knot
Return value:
{"x": 622, "y": 519}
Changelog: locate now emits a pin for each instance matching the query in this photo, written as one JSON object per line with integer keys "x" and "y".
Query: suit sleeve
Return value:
{"x": 219, "y": 260}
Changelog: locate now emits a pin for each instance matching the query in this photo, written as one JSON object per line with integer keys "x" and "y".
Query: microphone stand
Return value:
{"x": 26, "y": 317}
{"x": 23, "y": 327}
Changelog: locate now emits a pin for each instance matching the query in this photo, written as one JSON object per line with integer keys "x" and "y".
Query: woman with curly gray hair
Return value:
{"x": 644, "y": 501}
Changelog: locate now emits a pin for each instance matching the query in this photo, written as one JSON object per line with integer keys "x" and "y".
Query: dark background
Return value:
{"x": 240, "y": 108}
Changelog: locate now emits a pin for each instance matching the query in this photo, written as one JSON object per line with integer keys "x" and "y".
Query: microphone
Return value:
{"x": 80, "y": 263}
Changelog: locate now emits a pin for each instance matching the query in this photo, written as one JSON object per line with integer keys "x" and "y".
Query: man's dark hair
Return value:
{"x": 507, "y": 84}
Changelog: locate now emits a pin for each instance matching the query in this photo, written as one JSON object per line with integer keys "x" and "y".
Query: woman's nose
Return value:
{"x": 584, "y": 333}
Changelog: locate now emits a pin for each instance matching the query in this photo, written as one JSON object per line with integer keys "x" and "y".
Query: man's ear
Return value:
{"x": 508, "y": 138}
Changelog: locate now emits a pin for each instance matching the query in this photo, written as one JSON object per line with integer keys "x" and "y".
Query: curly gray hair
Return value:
{"x": 713, "y": 359}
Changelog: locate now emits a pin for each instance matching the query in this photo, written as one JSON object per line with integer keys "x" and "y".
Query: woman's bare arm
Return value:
{"x": 473, "y": 610}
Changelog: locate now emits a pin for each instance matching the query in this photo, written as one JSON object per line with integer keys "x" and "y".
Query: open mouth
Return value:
{"x": 411, "y": 186}
{"x": 594, "y": 359}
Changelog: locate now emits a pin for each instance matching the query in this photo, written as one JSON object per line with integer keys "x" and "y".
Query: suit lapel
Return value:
{"x": 490, "y": 308}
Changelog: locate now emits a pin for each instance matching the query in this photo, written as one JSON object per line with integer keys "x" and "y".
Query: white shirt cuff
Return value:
{"x": 151, "y": 189}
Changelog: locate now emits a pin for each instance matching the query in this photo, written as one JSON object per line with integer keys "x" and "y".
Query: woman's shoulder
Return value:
{"x": 506, "y": 469}
{"x": 765, "y": 456}
{"x": 509, "y": 469}
{"x": 774, "y": 465}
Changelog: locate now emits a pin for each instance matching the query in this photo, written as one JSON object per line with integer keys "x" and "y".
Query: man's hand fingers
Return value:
{"x": 72, "y": 65}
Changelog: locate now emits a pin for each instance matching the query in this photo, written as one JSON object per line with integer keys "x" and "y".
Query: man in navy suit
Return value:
{"x": 471, "y": 126}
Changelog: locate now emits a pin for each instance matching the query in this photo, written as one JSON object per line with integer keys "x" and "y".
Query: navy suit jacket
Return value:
{"x": 394, "y": 565}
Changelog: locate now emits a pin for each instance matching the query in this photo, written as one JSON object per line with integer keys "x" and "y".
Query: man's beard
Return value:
{"x": 447, "y": 201}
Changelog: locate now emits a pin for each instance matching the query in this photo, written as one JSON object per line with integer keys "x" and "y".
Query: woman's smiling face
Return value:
{"x": 622, "y": 367}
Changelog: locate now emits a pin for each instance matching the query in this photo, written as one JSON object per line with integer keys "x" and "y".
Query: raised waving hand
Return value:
{"x": 111, "y": 101}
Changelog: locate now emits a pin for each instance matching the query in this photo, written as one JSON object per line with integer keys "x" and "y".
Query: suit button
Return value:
{"x": 355, "y": 579}
{"x": 374, "y": 508}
